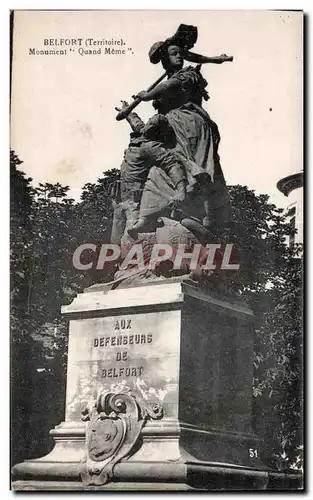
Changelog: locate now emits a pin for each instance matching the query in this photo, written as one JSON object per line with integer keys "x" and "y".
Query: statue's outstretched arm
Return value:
{"x": 136, "y": 123}
{"x": 199, "y": 59}
{"x": 158, "y": 91}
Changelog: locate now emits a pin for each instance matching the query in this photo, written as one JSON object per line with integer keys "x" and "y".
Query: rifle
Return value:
{"x": 121, "y": 115}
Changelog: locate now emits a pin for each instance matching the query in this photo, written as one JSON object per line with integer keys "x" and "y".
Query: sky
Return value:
{"x": 63, "y": 122}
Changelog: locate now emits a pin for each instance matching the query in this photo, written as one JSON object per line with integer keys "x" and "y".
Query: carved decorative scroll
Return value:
{"x": 114, "y": 424}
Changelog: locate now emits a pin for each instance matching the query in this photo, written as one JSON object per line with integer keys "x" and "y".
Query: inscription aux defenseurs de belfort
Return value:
{"x": 123, "y": 336}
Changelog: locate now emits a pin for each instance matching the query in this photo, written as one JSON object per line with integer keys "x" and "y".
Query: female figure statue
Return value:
{"x": 180, "y": 100}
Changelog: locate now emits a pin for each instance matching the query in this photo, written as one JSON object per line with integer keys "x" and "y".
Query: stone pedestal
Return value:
{"x": 173, "y": 347}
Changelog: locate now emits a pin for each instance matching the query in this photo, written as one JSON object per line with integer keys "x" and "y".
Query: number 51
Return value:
{"x": 253, "y": 453}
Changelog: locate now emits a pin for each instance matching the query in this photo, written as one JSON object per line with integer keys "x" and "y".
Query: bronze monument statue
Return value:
{"x": 171, "y": 172}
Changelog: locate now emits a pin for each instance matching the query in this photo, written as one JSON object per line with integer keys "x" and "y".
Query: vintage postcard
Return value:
{"x": 156, "y": 250}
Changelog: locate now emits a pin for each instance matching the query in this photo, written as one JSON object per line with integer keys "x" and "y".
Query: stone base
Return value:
{"x": 175, "y": 477}
{"x": 161, "y": 463}
{"x": 184, "y": 349}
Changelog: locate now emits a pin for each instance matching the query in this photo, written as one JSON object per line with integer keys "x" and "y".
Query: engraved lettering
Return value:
{"x": 123, "y": 340}
{"x": 133, "y": 371}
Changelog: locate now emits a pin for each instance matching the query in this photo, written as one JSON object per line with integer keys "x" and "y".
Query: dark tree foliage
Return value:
{"x": 259, "y": 233}
{"x": 26, "y": 353}
{"x": 278, "y": 362}
{"x": 46, "y": 229}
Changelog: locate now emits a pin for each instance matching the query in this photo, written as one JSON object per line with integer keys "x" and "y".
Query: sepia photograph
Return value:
{"x": 156, "y": 250}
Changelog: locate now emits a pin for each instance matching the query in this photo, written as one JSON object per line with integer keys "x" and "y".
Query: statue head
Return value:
{"x": 172, "y": 59}
{"x": 171, "y": 51}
